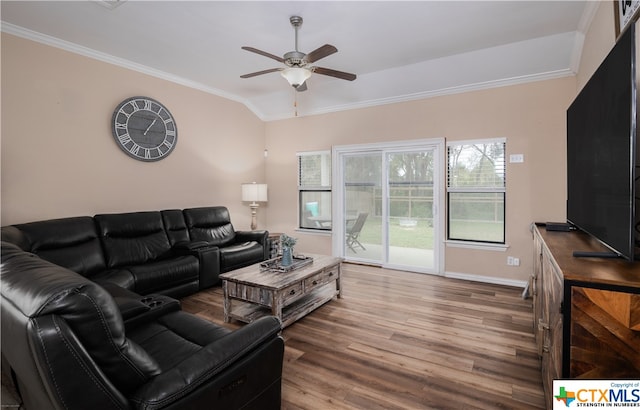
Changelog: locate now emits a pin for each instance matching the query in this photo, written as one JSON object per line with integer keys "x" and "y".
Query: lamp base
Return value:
{"x": 254, "y": 217}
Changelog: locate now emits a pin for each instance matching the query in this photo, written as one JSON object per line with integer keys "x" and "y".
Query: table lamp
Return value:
{"x": 254, "y": 193}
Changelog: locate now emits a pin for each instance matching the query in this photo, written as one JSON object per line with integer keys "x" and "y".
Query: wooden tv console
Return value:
{"x": 586, "y": 310}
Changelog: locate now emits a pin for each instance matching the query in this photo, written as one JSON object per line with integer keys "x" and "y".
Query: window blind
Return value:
{"x": 314, "y": 170}
{"x": 476, "y": 166}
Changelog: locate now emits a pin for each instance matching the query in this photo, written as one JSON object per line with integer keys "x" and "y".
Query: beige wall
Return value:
{"x": 530, "y": 116}
{"x": 59, "y": 158}
{"x": 599, "y": 40}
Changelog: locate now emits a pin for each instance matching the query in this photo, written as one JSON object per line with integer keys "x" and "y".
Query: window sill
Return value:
{"x": 314, "y": 231}
{"x": 477, "y": 245}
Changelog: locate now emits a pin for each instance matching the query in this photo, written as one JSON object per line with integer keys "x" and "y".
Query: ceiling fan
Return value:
{"x": 298, "y": 66}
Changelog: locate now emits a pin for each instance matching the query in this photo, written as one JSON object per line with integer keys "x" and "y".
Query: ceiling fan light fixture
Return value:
{"x": 296, "y": 76}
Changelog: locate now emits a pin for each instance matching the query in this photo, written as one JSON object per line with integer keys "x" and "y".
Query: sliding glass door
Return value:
{"x": 362, "y": 207}
{"x": 387, "y": 205}
{"x": 410, "y": 210}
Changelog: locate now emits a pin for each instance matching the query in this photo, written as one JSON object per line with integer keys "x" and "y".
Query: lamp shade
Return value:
{"x": 254, "y": 192}
{"x": 296, "y": 75}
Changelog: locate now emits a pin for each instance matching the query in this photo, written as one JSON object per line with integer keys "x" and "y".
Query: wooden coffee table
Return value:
{"x": 250, "y": 293}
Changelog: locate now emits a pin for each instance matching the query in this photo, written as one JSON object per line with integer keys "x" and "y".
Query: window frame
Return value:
{"x": 477, "y": 189}
{"x": 324, "y": 186}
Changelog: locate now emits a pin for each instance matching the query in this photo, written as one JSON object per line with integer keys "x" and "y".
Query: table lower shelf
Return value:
{"x": 248, "y": 312}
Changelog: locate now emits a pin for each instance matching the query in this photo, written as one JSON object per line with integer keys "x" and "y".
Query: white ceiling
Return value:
{"x": 399, "y": 50}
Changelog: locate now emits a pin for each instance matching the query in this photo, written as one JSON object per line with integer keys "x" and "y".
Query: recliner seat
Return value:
{"x": 237, "y": 248}
{"x": 137, "y": 242}
{"x": 64, "y": 338}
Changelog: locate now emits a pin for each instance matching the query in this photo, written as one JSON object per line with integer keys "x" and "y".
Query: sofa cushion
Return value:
{"x": 121, "y": 277}
{"x": 210, "y": 224}
{"x": 156, "y": 276}
{"x": 165, "y": 338}
{"x": 132, "y": 238}
{"x": 240, "y": 255}
{"x": 69, "y": 242}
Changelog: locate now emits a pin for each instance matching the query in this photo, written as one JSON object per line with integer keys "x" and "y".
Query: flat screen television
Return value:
{"x": 602, "y": 157}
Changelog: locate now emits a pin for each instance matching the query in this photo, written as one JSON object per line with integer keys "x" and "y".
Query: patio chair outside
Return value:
{"x": 353, "y": 232}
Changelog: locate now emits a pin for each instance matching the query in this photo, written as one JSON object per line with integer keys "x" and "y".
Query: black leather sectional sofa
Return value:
{"x": 171, "y": 252}
{"x": 89, "y": 322}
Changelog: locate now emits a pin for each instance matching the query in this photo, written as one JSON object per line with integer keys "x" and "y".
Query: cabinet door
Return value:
{"x": 537, "y": 292}
{"x": 552, "y": 322}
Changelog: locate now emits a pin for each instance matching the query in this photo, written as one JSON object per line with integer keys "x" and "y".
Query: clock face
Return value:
{"x": 144, "y": 129}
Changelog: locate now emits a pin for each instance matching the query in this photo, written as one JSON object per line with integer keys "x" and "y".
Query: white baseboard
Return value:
{"x": 487, "y": 279}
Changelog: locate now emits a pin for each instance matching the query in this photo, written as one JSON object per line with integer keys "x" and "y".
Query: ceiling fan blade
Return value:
{"x": 263, "y": 53}
{"x": 321, "y": 52}
{"x": 302, "y": 87}
{"x": 271, "y": 70}
{"x": 334, "y": 73}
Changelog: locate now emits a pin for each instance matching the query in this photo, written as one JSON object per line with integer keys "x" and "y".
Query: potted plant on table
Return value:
{"x": 287, "y": 242}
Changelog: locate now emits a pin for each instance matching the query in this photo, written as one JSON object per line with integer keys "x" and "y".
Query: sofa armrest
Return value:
{"x": 130, "y": 304}
{"x": 208, "y": 261}
{"x": 136, "y": 309}
{"x": 262, "y": 237}
{"x": 227, "y": 373}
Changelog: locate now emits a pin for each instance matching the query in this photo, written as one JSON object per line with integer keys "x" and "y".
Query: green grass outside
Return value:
{"x": 421, "y": 237}
{"x": 477, "y": 231}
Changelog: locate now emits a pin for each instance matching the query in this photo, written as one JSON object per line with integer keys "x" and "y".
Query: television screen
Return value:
{"x": 601, "y": 152}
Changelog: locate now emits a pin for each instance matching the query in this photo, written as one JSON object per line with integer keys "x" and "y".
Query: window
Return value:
{"x": 476, "y": 190}
{"x": 314, "y": 190}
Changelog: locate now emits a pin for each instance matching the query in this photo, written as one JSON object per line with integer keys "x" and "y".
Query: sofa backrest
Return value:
{"x": 132, "y": 238}
{"x": 57, "y": 324}
{"x": 69, "y": 242}
{"x": 175, "y": 226}
{"x": 210, "y": 224}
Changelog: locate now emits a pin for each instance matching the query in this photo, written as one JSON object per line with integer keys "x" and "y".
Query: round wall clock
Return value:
{"x": 144, "y": 129}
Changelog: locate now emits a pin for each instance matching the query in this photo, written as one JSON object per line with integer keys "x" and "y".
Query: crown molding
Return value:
{"x": 120, "y": 62}
{"x": 586, "y": 19}
{"x": 434, "y": 93}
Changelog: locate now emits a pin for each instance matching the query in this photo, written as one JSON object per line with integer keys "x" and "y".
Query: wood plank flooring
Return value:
{"x": 401, "y": 340}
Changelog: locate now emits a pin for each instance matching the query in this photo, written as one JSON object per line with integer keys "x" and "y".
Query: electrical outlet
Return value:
{"x": 516, "y": 158}
{"x": 511, "y": 261}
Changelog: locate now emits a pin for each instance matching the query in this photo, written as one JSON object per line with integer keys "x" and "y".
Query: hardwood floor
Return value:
{"x": 400, "y": 340}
